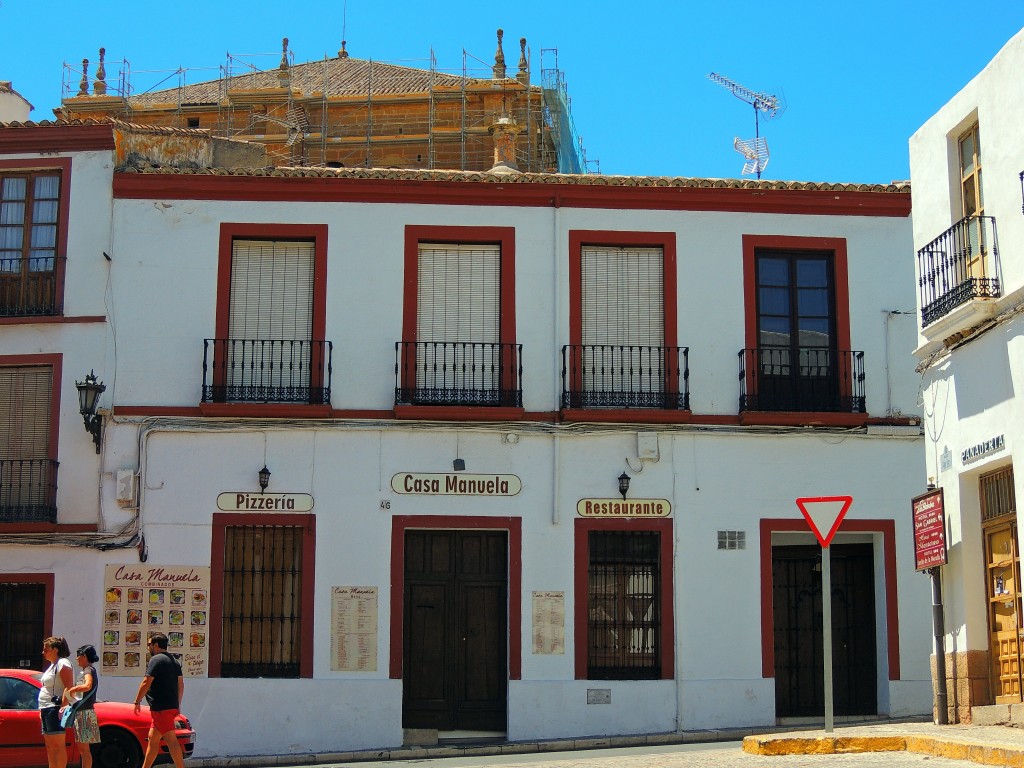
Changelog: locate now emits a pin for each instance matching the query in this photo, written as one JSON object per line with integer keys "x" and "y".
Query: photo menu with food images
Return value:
{"x": 141, "y": 600}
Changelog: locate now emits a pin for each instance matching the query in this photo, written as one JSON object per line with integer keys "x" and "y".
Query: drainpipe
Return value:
{"x": 559, "y": 284}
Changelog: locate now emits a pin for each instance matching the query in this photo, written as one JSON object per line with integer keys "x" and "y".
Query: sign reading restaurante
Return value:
{"x": 624, "y": 508}
{"x": 455, "y": 484}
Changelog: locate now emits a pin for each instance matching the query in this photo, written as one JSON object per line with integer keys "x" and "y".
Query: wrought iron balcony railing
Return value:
{"x": 267, "y": 371}
{"x": 29, "y": 287}
{"x": 458, "y": 373}
{"x": 625, "y": 376}
{"x": 957, "y": 266}
{"x": 801, "y": 379}
{"x": 28, "y": 491}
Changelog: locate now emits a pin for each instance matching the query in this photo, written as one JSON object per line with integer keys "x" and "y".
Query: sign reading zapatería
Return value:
{"x": 264, "y": 502}
{"x": 455, "y": 484}
{"x": 623, "y": 508}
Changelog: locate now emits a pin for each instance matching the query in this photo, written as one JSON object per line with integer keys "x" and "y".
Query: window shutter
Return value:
{"x": 25, "y": 398}
{"x": 623, "y": 296}
{"x": 271, "y": 290}
{"x": 458, "y": 298}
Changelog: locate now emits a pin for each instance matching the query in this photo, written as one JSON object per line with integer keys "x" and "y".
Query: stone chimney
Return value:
{"x": 499, "y": 59}
{"x": 504, "y": 131}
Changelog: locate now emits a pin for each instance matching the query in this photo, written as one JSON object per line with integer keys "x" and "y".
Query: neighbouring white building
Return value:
{"x": 13, "y": 106}
{"x": 967, "y": 167}
{"x": 490, "y": 453}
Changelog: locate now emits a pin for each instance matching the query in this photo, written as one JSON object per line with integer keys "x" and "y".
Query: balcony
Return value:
{"x": 804, "y": 379}
{"x": 29, "y": 289}
{"x": 957, "y": 267}
{"x": 267, "y": 371}
{"x": 631, "y": 376}
{"x": 455, "y": 373}
{"x": 28, "y": 491}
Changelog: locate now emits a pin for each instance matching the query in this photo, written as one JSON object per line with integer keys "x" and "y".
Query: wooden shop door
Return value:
{"x": 455, "y": 630}
{"x": 1002, "y": 565}
{"x": 799, "y": 666}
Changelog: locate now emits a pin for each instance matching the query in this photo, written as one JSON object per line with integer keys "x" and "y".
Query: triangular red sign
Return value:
{"x": 824, "y": 513}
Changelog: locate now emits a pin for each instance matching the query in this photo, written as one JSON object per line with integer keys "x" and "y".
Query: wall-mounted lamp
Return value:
{"x": 459, "y": 465}
{"x": 623, "y": 484}
{"x": 1022, "y": 191}
{"x": 89, "y": 392}
{"x": 264, "y": 478}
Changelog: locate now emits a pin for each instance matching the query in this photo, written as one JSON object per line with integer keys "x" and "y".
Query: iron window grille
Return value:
{"x": 634, "y": 376}
{"x": 807, "y": 379}
{"x": 458, "y": 373}
{"x": 998, "y": 497}
{"x": 623, "y": 605}
{"x": 262, "y": 616}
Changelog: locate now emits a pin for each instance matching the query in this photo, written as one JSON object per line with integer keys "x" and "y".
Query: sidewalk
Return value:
{"x": 987, "y": 744}
{"x": 999, "y": 745}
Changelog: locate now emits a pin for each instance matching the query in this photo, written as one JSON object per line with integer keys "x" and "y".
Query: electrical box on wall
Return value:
{"x": 647, "y": 445}
{"x": 126, "y": 488}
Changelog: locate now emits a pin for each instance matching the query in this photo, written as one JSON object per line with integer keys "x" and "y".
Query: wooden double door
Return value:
{"x": 455, "y": 644}
{"x": 22, "y": 618}
{"x": 799, "y": 656}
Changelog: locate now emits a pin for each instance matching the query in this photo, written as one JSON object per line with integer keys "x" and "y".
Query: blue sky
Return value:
{"x": 858, "y": 77}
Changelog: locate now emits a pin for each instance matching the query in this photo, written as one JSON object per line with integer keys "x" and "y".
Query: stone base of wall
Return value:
{"x": 967, "y": 684}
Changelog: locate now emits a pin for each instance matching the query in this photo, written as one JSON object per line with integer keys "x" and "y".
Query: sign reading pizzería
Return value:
{"x": 455, "y": 484}
{"x": 264, "y": 502}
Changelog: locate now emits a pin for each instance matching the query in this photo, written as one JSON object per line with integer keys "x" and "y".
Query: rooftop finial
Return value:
{"x": 342, "y": 54}
{"x": 282, "y": 70}
{"x": 83, "y": 87}
{"x": 99, "y": 86}
{"x": 499, "y": 59}
{"x": 524, "y": 67}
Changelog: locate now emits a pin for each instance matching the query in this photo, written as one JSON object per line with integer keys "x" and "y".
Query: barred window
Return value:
{"x": 624, "y": 620}
{"x": 28, "y": 473}
{"x": 262, "y": 601}
{"x": 997, "y": 494}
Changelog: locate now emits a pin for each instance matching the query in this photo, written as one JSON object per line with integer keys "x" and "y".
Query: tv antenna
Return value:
{"x": 754, "y": 151}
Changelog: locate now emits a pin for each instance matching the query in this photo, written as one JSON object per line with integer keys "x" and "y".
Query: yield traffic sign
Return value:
{"x": 824, "y": 514}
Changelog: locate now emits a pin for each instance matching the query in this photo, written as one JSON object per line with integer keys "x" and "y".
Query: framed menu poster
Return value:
{"x": 140, "y": 600}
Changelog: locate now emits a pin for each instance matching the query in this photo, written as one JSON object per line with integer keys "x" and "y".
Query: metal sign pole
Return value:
{"x": 826, "y": 633}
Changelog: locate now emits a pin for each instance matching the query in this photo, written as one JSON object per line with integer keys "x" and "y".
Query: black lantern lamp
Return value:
{"x": 623, "y": 484}
{"x": 264, "y": 478}
{"x": 1022, "y": 191}
{"x": 89, "y": 392}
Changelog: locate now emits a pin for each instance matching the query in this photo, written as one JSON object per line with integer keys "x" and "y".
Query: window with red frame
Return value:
{"x": 28, "y": 474}
{"x": 29, "y": 220}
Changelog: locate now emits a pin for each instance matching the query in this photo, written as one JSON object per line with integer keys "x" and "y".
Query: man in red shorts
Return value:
{"x": 163, "y": 687}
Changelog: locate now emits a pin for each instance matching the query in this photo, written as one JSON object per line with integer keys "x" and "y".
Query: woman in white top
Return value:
{"x": 54, "y": 679}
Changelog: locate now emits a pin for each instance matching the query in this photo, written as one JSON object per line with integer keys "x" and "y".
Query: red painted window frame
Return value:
{"x": 219, "y": 522}
{"x": 892, "y": 615}
{"x": 317, "y": 233}
{"x": 841, "y": 281}
{"x": 581, "y": 555}
{"x": 513, "y": 525}
{"x": 63, "y": 166}
{"x": 47, "y": 580}
{"x": 503, "y": 237}
{"x": 666, "y": 241}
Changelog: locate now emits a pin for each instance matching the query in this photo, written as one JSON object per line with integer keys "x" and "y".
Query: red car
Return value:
{"x": 123, "y": 733}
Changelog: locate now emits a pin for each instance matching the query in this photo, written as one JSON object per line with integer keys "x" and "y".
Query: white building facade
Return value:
{"x": 967, "y": 167}
{"x": 534, "y": 446}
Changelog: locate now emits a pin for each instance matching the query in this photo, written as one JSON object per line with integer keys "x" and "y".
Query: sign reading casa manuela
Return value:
{"x": 455, "y": 484}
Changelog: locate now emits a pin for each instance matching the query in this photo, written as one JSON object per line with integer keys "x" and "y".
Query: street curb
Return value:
{"x": 1011, "y": 757}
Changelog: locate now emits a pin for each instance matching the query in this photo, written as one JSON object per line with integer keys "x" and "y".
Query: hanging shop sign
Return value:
{"x": 624, "y": 508}
{"x": 975, "y": 452}
{"x": 237, "y": 501}
{"x": 929, "y": 530}
{"x": 455, "y": 484}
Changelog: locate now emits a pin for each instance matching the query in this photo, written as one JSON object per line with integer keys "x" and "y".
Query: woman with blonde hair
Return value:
{"x": 55, "y": 679}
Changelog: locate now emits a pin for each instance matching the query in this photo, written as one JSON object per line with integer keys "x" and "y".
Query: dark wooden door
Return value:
{"x": 22, "y": 613}
{"x": 456, "y": 630}
{"x": 799, "y": 666}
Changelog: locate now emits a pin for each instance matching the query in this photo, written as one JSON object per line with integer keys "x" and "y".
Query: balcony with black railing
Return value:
{"x": 28, "y": 287}
{"x": 957, "y": 267}
{"x": 28, "y": 491}
{"x": 457, "y": 373}
{"x": 803, "y": 379}
{"x": 625, "y": 376}
{"x": 267, "y": 371}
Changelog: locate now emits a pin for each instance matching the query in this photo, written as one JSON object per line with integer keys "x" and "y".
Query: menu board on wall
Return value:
{"x": 354, "y": 629}
{"x": 140, "y": 600}
{"x": 549, "y": 622}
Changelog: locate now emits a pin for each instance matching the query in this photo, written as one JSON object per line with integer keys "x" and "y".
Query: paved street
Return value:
{"x": 717, "y": 755}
